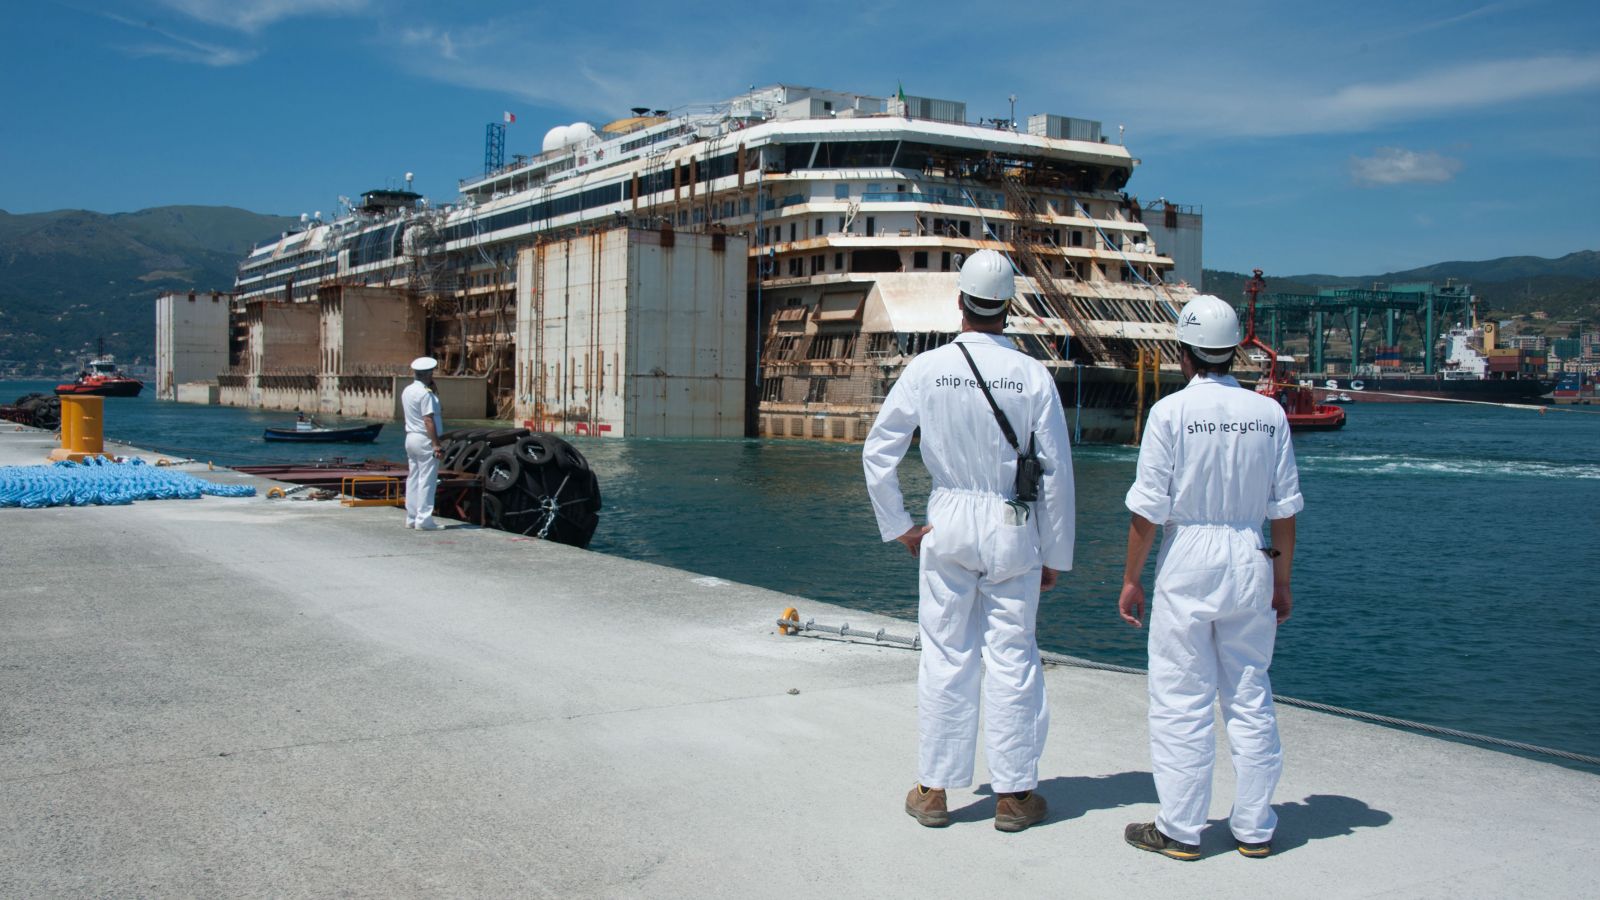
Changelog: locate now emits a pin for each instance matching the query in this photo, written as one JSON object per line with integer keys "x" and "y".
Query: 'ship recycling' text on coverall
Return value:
{"x": 978, "y": 575}
{"x": 1215, "y": 461}
{"x": 422, "y": 467}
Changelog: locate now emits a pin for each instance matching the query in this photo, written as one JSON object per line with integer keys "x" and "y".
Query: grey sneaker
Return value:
{"x": 1015, "y": 812}
{"x": 1146, "y": 836}
{"x": 927, "y": 806}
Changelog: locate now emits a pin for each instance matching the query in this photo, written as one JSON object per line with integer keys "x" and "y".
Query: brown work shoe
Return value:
{"x": 1146, "y": 836}
{"x": 1014, "y": 812}
{"x": 927, "y": 806}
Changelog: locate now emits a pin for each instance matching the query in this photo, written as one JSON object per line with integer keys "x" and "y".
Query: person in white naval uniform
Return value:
{"x": 424, "y": 424}
{"x": 983, "y": 557}
{"x": 1214, "y": 462}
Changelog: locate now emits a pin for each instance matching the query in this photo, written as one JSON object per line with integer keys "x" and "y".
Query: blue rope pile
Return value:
{"x": 98, "y": 480}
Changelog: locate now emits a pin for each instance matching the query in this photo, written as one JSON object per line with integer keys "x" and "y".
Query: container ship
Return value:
{"x": 1473, "y": 368}
{"x": 856, "y": 211}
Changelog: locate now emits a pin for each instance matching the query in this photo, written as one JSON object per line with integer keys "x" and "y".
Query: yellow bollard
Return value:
{"x": 82, "y": 428}
{"x": 69, "y": 422}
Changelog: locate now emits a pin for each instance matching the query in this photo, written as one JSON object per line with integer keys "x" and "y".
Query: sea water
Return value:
{"x": 1447, "y": 571}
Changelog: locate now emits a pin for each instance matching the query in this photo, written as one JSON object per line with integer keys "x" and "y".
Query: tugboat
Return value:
{"x": 1298, "y": 397}
{"x": 100, "y": 378}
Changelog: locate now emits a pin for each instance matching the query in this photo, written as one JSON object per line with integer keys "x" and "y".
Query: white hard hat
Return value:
{"x": 987, "y": 282}
{"x": 1208, "y": 323}
{"x": 424, "y": 364}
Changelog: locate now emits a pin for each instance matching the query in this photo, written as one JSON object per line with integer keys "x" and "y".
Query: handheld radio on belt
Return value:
{"x": 1029, "y": 471}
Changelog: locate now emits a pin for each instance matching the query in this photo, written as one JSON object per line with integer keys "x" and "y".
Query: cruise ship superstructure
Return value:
{"x": 857, "y": 213}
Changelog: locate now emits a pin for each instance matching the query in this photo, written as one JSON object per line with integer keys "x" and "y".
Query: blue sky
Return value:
{"x": 1346, "y": 138}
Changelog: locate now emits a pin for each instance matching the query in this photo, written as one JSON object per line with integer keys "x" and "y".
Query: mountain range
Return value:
{"x": 71, "y": 277}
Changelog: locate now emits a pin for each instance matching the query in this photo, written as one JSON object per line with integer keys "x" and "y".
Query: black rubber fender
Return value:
{"x": 501, "y": 470}
{"x": 452, "y": 452}
{"x": 535, "y": 450}
{"x": 569, "y": 457}
{"x": 504, "y": 436}
{"x": 491, "y": 511}
{"x": 470, "y": 456}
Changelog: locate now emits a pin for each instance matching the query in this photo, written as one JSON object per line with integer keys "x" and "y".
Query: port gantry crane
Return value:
{"x": 1431, "y": 305}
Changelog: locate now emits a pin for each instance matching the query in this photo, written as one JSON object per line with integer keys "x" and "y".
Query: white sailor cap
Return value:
{"x": 424, "y": 364}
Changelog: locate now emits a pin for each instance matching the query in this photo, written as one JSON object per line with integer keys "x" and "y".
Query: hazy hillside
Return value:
{"x": 71, "y": 276}
{"x": 1567, "y": 287}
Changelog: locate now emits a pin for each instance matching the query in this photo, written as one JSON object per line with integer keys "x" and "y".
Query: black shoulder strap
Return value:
{"x": 1005, "y": 424}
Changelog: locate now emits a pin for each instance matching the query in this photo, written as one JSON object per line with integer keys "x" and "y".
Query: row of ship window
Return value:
{"x": 812, "y": 155}
{"x": 888, "y": 260}
{"x": 384, "y": 243}
{"x": 773, "y": 234}
{"x": 307, "y": 277}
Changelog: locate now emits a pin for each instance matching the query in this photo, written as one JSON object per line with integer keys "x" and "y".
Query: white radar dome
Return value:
{"x": 567, "y": 135}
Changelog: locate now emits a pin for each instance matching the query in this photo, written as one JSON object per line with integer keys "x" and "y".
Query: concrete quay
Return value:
{"x": 251, "y": 697}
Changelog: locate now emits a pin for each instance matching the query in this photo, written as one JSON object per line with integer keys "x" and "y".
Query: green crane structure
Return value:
{"x": 1430, "y": 305}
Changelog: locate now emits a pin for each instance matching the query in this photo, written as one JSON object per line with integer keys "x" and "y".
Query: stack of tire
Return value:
{"x": 533, "y": 484}
{"x": 40, "y": 411}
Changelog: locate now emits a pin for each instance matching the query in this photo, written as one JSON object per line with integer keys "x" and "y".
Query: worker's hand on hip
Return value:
{"x": 1282, "y": 601}
{"x": 1131, "y": 604}
{"x": 1047, "y": 579}
{"x": 438, "y": 453}
{"x": 913, "y": 538}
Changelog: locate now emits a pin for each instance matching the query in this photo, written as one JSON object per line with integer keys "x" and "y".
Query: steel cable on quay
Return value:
{"x": 792, "y": 624}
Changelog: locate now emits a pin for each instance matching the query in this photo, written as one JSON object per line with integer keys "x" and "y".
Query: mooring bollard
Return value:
{"x": 82, "y": 428}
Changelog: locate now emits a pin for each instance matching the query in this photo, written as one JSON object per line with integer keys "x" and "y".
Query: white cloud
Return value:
{"x": 570, "y": 68}
{"x": 1463, "y": 87}
{"x": 436, "y": 40}
{"x": 1449, "y": 21}
{"x": 1246, "y": 105}
{"x": 194, "y": 52}
{"x": 253, "y": 15}
{"x": 1397, "y": 165}
{"x": 182, "y": 49}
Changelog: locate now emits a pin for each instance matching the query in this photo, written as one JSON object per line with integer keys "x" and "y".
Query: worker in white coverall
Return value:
{"x": 1214, "y": 462}
{"x": 424, "y": 424}
{"x": 982, "y": 560}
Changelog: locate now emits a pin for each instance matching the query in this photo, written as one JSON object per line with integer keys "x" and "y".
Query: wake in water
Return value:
{"x": 1446, "y": 467}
